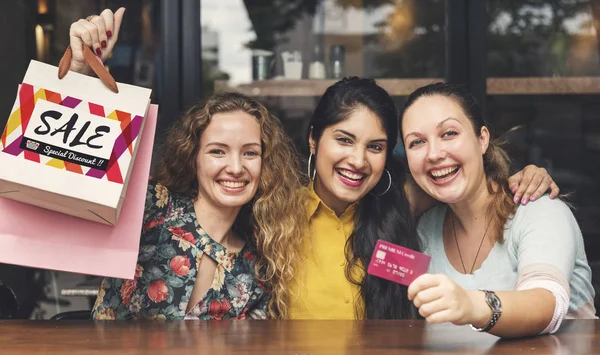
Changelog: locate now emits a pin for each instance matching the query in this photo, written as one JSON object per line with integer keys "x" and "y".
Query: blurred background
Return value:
{"x": 531, "y": 63}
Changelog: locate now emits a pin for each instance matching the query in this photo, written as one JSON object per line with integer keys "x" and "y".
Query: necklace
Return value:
{"x": 480, "y": 244}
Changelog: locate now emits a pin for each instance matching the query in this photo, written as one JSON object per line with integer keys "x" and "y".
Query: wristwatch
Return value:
{"x": 494, "y": 302}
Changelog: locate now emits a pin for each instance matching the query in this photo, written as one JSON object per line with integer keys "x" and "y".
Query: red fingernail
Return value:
{"x": 109, "y": 34}
{"x": 98, "y": 51}
{"x": 533, "y": 198}
{"x": 103, "y": 44}
{"x": 513, "y": 189}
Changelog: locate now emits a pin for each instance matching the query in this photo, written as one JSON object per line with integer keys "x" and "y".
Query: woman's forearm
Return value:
{"x": 524, "y": 313}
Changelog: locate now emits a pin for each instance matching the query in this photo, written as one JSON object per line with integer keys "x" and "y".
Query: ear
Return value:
{"x": 484, "y": 139}
{"x": 312, "y": 145}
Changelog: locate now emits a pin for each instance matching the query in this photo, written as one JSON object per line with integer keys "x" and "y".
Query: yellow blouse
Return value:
{"x": 322, "y": 290}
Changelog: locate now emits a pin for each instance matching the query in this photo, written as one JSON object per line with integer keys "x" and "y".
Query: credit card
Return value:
{"x": 398, "y": 264}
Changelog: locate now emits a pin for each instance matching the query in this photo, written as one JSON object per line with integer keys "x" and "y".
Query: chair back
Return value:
{"x": 73, "y": 315}
{"x": 9, "y": 307}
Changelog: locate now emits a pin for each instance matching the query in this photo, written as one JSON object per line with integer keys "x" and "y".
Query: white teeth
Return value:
{"x": 350, "y": 175}
{"x": 233, "y": 184}
{"x": 442, "y": 172}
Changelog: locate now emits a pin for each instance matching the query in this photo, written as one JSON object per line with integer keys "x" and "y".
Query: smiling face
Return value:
{"x": 444, "y": 154}
{"x": 229, "y": 159}
{"x": 350, "y": 159}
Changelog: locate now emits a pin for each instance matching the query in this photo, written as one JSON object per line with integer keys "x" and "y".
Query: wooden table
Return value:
{"x": 281, "y": 337}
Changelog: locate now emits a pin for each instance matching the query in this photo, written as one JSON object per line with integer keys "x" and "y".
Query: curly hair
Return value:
{"x": 276, "y": 215}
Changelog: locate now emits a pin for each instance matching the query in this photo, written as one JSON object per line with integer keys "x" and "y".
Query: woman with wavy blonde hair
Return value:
{"x": 221, "y": 213}
{"x": 225, "y": 211}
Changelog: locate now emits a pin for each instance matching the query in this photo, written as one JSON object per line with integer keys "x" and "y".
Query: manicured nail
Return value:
{"x": 525, "y": 200}
{"x": 98, "y": 51}
{"x": 103, "y": 44}
{"x": 109, "y": 34}
{"x": 533, "y": 198}
{"x": 516, "y": 200}
{"x": 513, "y": 189}
{"x": 552, "y": 197}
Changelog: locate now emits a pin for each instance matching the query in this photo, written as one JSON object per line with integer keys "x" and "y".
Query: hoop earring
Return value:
{"x": 308, "y": 168}
{"x": 389, "y": 184}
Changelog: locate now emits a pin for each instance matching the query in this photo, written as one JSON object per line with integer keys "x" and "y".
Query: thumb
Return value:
{"x": 118, "y": 18}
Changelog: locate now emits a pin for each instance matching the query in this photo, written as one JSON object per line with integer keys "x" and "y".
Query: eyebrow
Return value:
{"x": 438, "y": 126}
{"x": 223, "y": 145}
{"x": 380, "y": 140}
{"x": 447, "y": 119}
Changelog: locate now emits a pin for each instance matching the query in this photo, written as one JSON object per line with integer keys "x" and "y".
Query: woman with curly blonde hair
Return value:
{"x": 221, "y": 212}
{"x": 225, "y": 211}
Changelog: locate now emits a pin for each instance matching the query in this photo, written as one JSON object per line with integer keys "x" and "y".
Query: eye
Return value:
{"x": 377, "y": 147}
{"x": 343, "y": 140}
{"x": 252, "y": 153}
{"x": 415, "y": 143}
{"x": 449, "y": 134}
{"x": 216, "y": 152}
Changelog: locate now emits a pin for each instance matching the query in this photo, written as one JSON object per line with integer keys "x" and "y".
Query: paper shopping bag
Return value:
{"x": 69, "y": 145}
{"x": 36, "y": 237}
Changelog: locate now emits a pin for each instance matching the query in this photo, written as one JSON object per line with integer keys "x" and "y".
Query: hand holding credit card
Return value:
{"x": 398, "y": 264}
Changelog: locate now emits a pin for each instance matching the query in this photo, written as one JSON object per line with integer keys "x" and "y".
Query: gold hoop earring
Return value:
{"x": 308, "y": 168}
{"x": 389, "y": 184}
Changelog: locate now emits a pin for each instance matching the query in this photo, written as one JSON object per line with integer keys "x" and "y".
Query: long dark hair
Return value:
{"x": 385, "y": 217}
{"x": 496, "y": 162}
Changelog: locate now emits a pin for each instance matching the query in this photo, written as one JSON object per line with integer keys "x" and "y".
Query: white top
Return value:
{"x": 543, "y": 248}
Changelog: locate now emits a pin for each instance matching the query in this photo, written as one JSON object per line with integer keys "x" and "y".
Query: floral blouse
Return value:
{"x": 171, "y": 245}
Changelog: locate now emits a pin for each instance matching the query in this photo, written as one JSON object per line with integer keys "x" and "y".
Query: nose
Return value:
{"x": 235, "y": 166}
{"x": 436, "y": 152}
{"x": 358, "y": 159}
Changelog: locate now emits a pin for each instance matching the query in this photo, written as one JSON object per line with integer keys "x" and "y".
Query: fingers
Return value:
{"x": 531, "y": 183}
{"x": 108, "y": 20}
{"x": 86, "y": 32}
{"x": 101, "y": 30}
{"x": 112, "y": 22}
{"x": 443, "y": 301}
{"x": 421, "y": 283}
{"x": 526, "y": 176}
{"x": 537, "y": 181}
{"x": 554, "y": 190}
{"x": 514, "y": 181}
{"x": 78, "y": 36}
{"x": 442, "y": 316}
{"x": 427, "y": 309}
{"x": 112, "y": 25}
{"x": 530, "y": 179}
{"x": 95, "y": 34}
{"x": 540, "y": 190}
{"x": 426, "y": 296}
{"x": 92, "y": 30}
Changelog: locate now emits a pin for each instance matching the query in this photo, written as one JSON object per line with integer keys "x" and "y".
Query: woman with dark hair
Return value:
{"x": 479, "y": 240}
{"x": 357, "y": 196}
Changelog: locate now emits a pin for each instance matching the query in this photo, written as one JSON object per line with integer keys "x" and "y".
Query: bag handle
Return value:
{"x": 94, "y": 63}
